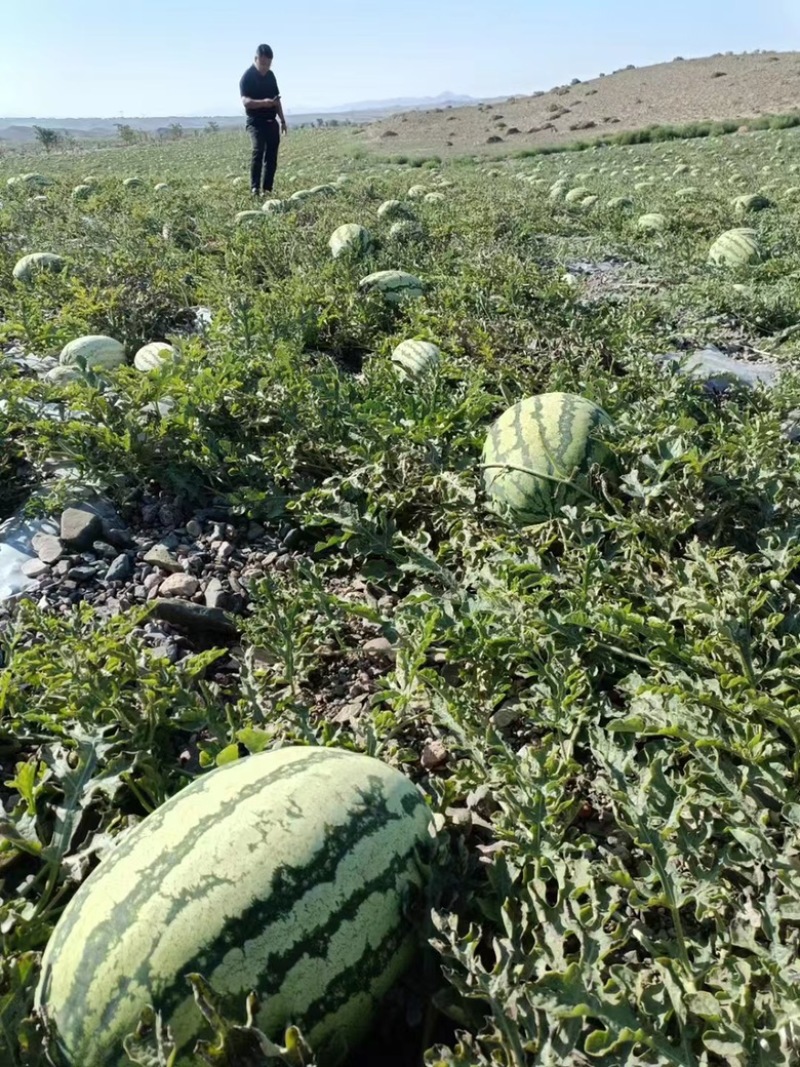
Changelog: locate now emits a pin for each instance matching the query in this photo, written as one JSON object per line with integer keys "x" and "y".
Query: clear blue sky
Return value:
{"x": 61, "y": 58}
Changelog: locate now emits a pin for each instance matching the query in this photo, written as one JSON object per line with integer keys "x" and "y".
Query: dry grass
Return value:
{"x": 715, "y": 88}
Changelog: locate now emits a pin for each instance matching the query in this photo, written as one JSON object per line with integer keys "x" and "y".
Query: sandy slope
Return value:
{"x": 717, "y": 87}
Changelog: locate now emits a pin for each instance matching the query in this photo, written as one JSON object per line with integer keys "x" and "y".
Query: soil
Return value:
{"x": 716, "y": 88}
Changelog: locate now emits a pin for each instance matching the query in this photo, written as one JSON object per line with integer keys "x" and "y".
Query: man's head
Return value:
{"x": 263, "y": 58}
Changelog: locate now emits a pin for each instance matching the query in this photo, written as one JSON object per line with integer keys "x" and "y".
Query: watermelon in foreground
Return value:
{"x": 538, "y": 453}
{"x": 285, "y": 873}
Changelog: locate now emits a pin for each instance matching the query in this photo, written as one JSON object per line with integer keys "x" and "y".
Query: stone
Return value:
{"x": 434, "y": 755}
{"x": 163, "y": 558}
{"x": 80, "y": 527}
{"x": 117, "y": 536}
{"x": 194, "y": 529}
{"x": 120, "y": 569}
{"x": 35, "y": 568}
{"x": 180, "y": 585}
{"x": 81, "y": 574}
{"x": 380, "y": 647}
{"x": 104, "y": 551}
{"x": 215, "y": 595}
{"x": 225, "y": 550}
{"x": 255, "y": 531}
{"x": 195, "y": 618}
{"x": 47, "y": 547}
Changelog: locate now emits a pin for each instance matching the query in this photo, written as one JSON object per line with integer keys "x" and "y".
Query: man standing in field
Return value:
{"x": 262, "y": 103}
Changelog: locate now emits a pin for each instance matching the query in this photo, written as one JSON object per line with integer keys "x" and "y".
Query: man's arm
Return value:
{"x": 257, "y": 105}
{"x": 281, "y": 116}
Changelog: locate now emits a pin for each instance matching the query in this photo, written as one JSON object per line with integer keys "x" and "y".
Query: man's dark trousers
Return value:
{"x": 266, "y": 140}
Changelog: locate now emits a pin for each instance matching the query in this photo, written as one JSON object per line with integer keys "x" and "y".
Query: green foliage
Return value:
{"x": 616, "y": 690}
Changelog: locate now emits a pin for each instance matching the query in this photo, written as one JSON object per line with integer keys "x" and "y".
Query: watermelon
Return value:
{"x": 394, "y": 209}
{"x": 63, "y": 375}
{"x": 26, "y": 267}
{"x": 620, "y": 203}
{"x": 96, "y": 351}
{"x": 349, "y": 239}
{"x": 301, "y": 194}
{"x": 744, "y": 205}
{"x": 735, "y": 248}
{"x": 651, "y": 223}
{"x": 406, "y": 230}
{"x": 133, "y": 183}
{"x": 575, "y": 195}
{"x": 416, "y": 192}
{"x": 81, "y": 192}
{"x": 395, "y": 285}
{"x": 415, "y": 358}
{"x": 161, "y": 186}
{"x": 434, "y": 198}
{"x": 248, "y": 216}
{"x": 537, "y": 455}
{"x": 150, "y": 357}
{"x": 286, "y": 873}
{"x": 273, "y": 207}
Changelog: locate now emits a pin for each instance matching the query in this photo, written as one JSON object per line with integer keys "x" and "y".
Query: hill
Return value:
{"x": 20, "y": 131}
{"x": 682, "y": 91}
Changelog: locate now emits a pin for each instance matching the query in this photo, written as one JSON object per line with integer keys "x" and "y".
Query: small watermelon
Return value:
{"x": 151, "y": 356}
{"x": 395, "y": 285}
{"x": 37, "y": 261}
{"x": 651, "y": 223}
{"x": 537, "y": 455}
{"x": 745, "y": 205}
{"x": 349, "y": 239}
{"x": 406, "y": 230}
{"x": 735, "y": 248}
{"x": 273, "y": 207}
{"x": 248, "y": 216}
{"x": 394, "y": 209}
{"x": 415, "y": 358}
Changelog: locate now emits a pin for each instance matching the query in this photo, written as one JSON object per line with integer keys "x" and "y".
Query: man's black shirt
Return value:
{"x": 259, "y": 87}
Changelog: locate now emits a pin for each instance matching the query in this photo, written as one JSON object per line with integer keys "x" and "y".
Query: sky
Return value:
{"x": 104, "y": 58}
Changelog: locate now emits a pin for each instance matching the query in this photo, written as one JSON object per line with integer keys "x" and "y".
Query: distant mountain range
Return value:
{"x": 20, "y": 130}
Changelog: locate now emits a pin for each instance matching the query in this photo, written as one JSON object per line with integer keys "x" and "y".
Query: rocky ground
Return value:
{"x": 715, "y": 88}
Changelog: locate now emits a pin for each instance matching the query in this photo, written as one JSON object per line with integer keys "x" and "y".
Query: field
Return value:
{"x": 603, "y": 710}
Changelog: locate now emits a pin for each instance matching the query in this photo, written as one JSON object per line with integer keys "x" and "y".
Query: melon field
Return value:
{"x": 573, "y": 630}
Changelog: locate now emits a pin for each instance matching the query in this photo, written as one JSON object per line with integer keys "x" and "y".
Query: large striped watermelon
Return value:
{"x": 537, "y": 455}
{"x": 735, "y": 248}
{"x": 286, "y": 874}
{"x": 96, "y": 351}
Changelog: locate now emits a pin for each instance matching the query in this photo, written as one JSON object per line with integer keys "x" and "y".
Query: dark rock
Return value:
{"x": 161, "y": 557}
{"x": 104, "y": 551}
{"x": 121, "y": 569}
{"x": 117, "y": 536}
{"x": 81, "y": 574}
{"x": 195, "y": 617}
{"x": 80, "y": 527}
